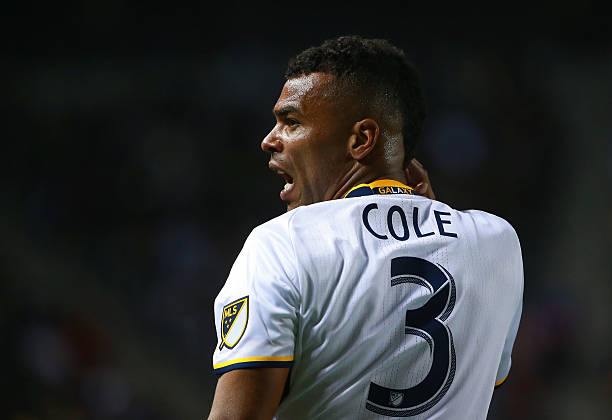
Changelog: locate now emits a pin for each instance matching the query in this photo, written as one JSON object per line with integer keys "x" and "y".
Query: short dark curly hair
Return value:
{"x": 370, "y": 68}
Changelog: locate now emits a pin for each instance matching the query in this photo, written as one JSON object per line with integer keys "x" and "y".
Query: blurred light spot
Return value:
{"x": 47, "y": 353}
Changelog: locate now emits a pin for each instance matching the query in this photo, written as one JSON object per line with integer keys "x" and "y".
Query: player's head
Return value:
{"x": 349, "y": 105}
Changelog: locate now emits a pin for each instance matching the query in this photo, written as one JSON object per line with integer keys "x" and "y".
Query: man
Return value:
{"x": 364, "y": 300}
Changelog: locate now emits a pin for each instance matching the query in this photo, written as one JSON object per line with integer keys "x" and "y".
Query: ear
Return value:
{"x": 364, "y": 138}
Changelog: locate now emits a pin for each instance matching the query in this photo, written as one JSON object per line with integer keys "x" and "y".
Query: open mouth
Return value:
{"x": 288, "y": 188}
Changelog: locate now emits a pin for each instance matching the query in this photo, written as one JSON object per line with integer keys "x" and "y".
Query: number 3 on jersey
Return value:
{"x": 427, "y": 323}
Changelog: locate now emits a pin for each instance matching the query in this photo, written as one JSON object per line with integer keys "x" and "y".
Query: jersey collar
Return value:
{"x": 381, "y": 186}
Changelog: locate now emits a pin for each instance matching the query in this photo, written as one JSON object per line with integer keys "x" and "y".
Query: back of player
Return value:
{"x": 385, "y": 305}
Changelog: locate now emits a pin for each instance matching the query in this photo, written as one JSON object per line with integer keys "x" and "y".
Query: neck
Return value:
{"x": 360, "y": 174}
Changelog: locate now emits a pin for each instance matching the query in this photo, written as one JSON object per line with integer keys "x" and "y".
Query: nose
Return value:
{"x": 271, "y": 143}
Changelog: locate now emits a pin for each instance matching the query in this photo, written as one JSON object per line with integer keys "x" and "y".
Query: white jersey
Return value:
{"x": 383, "y": 305}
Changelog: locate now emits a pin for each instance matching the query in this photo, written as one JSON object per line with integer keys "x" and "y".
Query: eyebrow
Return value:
{"x": 284, "y": 110}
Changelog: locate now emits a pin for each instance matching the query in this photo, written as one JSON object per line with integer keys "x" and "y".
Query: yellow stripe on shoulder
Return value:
{"x": 254, "y": 359}
{"x": 498, "y": 383}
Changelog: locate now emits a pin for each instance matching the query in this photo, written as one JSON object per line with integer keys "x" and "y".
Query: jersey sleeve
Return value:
{"x": 506, "y": 359}
{"x": 515, "y": 269}
{"x": 256, "y": 311}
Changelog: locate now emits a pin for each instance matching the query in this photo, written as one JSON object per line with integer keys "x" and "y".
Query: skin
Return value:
{"x": 323, "y": 145}
{"x": 418, "y": 178}
{"x": 248, "y": 394}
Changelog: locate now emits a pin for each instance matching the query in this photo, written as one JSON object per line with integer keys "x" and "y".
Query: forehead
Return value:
{"x": 305, "y": 91}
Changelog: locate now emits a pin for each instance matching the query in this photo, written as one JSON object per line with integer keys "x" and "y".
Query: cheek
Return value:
{"x": 330, "y": 155}
{"x": 317, "y": 155}
{"x": 319, "y": 169}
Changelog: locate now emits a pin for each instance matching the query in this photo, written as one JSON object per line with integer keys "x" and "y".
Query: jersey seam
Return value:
{"x": 295, "y": 259}
{"x": 298, "y": 285}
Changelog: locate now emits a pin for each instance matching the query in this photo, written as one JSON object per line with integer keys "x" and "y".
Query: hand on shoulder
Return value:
{"x": 418, "y": 178}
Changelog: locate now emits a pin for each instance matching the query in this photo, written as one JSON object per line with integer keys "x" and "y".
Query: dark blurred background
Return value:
{"x": 132, "y": 174}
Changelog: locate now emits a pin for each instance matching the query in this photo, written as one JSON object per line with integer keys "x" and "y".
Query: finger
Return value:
{"x": 422, "y": 187}
{"x": 415, "y": 172}
{"x": 412, "y": 173}
{"x": 410, "y": 181}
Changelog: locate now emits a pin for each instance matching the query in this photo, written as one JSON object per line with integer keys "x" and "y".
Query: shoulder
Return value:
{"x": 496, "y": 240}
{"x": 488, "y": 226}
{"x": 265, "y": 263}
{"x": 307, "y": 234}
{"x": 307, "y": 217}
{"x": 271, "y": 234}
{"x": 270, "y": 246}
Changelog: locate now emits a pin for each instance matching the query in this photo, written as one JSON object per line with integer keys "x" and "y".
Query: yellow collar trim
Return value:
{"x": 380, "y": 186}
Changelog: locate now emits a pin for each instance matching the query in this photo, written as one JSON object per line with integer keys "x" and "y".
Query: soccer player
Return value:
{"x": 365, "y": 300}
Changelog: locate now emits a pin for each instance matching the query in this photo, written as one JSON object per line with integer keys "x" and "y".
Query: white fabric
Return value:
{"x": 320, "y": 291}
